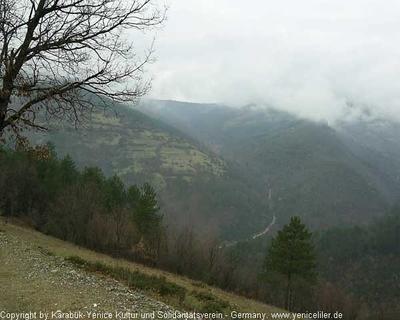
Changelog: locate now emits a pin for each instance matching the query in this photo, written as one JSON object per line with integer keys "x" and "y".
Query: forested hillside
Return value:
{"x": 86, "y": 208}
{"x": 331, "y": 176}
{"x": 357, "y": 266}
{"x": 196, "y": 187}
{"x": 321, "y": 174}
{"x": 365, "y": 261}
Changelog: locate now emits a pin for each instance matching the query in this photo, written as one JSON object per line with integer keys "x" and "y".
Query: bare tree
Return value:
{"x": 56, "y": 54}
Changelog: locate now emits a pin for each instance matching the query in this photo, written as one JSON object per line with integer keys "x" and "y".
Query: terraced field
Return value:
{"x": 134, "y": 147}
{"x": 194, "y": 186}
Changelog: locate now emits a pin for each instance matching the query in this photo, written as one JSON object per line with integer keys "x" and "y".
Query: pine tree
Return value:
{"x": 114, "y": 193}
{"x": 291, "y": 255}
{"x": 146, "y": 210}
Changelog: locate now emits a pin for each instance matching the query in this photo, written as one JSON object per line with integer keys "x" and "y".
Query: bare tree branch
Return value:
{"x": 55, "y": 54}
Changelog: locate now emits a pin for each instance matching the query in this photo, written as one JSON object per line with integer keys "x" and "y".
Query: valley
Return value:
{"x": 340, "y": 175}
{"x": 204, "y": 159}
{"x": 213, "y": 164}
{"x": 227, "y": 182}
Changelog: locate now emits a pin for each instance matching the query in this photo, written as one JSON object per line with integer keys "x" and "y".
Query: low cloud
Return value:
{"x": 312, "y": 58}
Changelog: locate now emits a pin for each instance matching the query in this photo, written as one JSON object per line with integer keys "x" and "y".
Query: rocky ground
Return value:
{"x": 34, "y": 279}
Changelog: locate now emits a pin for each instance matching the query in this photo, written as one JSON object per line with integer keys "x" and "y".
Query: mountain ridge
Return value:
{"x": 139, "y": 148}
{"x": 266, "y": 140}
{"x": 213, "y": 166}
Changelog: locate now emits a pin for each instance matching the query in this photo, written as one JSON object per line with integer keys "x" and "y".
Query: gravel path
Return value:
{"x": 32, "y": 279}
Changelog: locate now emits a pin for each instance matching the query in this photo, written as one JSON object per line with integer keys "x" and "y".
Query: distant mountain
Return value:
{"x": 214, "y": 167}
{"x": 196, "y": 187}
{"x": 329, "y": 176}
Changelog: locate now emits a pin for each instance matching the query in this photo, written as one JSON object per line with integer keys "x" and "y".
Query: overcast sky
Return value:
{"x": 308, "y": 57}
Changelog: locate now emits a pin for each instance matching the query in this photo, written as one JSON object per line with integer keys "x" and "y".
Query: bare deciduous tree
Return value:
{"x": 55, "y": 54}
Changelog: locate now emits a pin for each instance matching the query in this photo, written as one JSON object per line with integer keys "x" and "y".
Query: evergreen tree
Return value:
{"x": 114, "y": 193}
{"x": 93, "y": 176}
{"x": 68, "y": 171}
{"x": 291, "y": 255}
{"x": 145, "y": 207}
{"x": 146, "y": 217}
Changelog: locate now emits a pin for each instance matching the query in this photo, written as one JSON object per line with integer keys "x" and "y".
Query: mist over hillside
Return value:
{"x": 214, "y": 166}
{"x": 331, "y": 175}
{"x": 197, "y": 189}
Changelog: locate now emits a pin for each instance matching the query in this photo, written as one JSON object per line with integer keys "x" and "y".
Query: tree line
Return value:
{"x": 82, "y": 207}
{"x": 352, "y": 270}
{"x": 89, "y": 209}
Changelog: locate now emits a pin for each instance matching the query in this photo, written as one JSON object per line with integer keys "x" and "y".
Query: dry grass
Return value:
{"x": 9, "y": 274}
{"x": 20, "y": 293}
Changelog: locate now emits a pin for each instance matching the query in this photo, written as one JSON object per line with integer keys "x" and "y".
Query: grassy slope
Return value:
{"x": 43, "y": 295}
